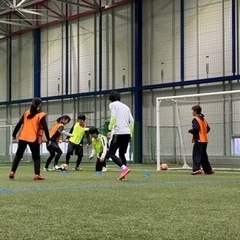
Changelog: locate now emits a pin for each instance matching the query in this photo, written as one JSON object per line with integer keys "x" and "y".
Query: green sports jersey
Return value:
{"x": 78, "y": 133}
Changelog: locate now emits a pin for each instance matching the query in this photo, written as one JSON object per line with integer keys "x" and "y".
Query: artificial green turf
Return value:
{"x": 87, "y": 205}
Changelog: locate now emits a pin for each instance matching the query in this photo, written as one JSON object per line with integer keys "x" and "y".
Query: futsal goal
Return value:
{"x": 174, "y": 119}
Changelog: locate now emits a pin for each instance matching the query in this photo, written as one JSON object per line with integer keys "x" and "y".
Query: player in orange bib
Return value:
{"x": 55, "y": 134}
{"x": 31, "y": 126}
{"x": 199, "y": 131}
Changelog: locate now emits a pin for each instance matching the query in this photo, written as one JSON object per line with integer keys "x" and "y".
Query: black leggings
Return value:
{"x": 55, "y": 149}
{"x": 119, "y": 142}
{"x": 35, "y": 149}
{"x": 78, "y": 151}
{"x": 100, "y": 165}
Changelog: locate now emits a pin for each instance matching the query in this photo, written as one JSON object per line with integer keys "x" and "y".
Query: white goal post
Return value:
{"x": 173, "y": 120}
{"x": 6, "y": 145}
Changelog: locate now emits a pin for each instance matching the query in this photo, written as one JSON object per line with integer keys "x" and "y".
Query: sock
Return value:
{"x": 123, "y": 167}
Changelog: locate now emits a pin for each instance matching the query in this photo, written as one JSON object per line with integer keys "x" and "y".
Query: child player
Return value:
{"x": 55, "y": 134}
{"x": 99, "y": 149}
{"x": 75, "y": 143}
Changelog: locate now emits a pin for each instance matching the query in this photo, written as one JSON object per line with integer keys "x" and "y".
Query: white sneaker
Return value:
{"x": 45, "y": 169}
{"x": 56, "y": 167}
{"x": 104, "y": 169}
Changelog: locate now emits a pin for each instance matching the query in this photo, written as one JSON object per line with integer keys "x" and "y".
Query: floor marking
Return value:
{"x": 116, "y": 185}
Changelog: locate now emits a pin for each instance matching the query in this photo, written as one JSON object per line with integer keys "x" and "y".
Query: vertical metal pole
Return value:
{"x": 67, "y": 59}
{"x": 237, "y": 37}
{"x": 158, "y": 136}
{"x": 182, "y": 39}
{"x": 233, "y": 38}
{"x": 138, "y": 83}
{"x": 37, "y": 62}
{"x": 100, "y": 46}
{"x": 9, "y": 67}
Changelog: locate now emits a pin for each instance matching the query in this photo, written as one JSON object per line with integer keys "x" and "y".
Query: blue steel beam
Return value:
{"x": 137, "y": 149}
{"x": 67, "y": 59}
{"x": 132, "y": 89}
{"x": 182, "y": 40}
{"x": 100, "y": 48}
{"x": 233, "y": 37}
{"x": 37, "y": 62}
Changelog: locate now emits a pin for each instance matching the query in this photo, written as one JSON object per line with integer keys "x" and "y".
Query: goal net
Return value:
{"x": 6, "y": 145}
{"x": 174, "y": 119}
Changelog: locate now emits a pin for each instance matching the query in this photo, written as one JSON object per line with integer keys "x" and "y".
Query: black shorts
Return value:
{"x": 78, "y": 148}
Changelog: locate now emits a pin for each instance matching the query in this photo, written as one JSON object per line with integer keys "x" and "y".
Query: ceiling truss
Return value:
{"x": 17, "y": 16}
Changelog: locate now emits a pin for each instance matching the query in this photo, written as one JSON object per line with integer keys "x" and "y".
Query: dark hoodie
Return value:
{"x": 196, "y": 128}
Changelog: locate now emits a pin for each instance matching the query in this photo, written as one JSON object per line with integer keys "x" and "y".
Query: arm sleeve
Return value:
{"x": 131, "y": 126}
{"x": 112, "y": 122}
{"x": 18, "y": 126}
{"x": 71, "y": 130}
{"x": 88, "y": 136}
{"x": 131, "y": 122}
{"x": 63, "y": 132}
{"x": 93, "y": 152}
{"x": 195, "y": 127}
{"x": 104, "y": 144}
{"x": 45, "y": 128}
{"x": 208, "y": 129}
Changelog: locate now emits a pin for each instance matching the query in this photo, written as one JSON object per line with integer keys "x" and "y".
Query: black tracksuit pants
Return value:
{"x": 200, "y": 157}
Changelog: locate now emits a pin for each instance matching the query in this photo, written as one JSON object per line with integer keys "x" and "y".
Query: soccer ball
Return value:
{"x": 64, "y": 167}
{"x": 164, "y": 166}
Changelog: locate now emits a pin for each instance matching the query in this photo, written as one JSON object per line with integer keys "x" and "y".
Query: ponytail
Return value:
{"x": 34, "y": 107}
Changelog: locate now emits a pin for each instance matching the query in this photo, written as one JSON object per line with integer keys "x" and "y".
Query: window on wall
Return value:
{"x": 82, "y": 55}
{"x": 52, "y": 61}
{"x": 117, "y": 49}
{"x": 236, "y": 146}
{"x": 22, "y": 67}
{"x": 161, "y": 41}
{"x": 207, "y": 32}
{"x": 88, "y": 64}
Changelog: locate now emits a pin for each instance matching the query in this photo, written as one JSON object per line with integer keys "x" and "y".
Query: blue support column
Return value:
{"x": 233, "y": 37}
{"x": 182, "y": 40}
{"x": 100, "y": 47}
{"x": 67, "y": 59}
{"x": 137, "y": 150}
{"x": 37, "y": 62}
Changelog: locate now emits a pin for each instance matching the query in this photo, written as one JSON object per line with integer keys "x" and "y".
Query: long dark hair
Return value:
{"x": 63, "y": 117}
{"x": 34, "y": 107}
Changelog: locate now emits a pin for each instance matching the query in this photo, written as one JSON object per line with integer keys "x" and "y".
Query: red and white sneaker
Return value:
{"x": 11, "y": 175}
{"x": 197, "y": 172}
{"x": 124, "y": 172}
{"x": 211, "y": 172}
{"x": 38, "y": 177}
